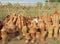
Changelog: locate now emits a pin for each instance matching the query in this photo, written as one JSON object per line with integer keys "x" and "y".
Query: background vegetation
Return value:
{"x": 28, "y": 10}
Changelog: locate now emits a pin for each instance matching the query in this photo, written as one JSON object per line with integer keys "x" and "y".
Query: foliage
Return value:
{"x": 37, "y": 9}
{"x": 52, "y": 0}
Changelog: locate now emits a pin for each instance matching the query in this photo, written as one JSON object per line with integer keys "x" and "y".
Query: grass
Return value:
{"x": 3, "y": 14}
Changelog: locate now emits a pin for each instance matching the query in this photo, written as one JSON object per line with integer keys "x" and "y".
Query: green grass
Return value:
{"x": 30, "y": 12}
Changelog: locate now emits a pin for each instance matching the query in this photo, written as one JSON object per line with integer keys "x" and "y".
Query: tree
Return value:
{"x": 58, "y": 0}
{"x": 52, "y": 0}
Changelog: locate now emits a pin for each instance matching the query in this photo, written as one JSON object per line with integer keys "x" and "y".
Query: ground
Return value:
{"x": 47, "y": 41}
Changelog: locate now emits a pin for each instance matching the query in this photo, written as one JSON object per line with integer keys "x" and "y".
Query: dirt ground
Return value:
{"x": 47, "y": 41}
